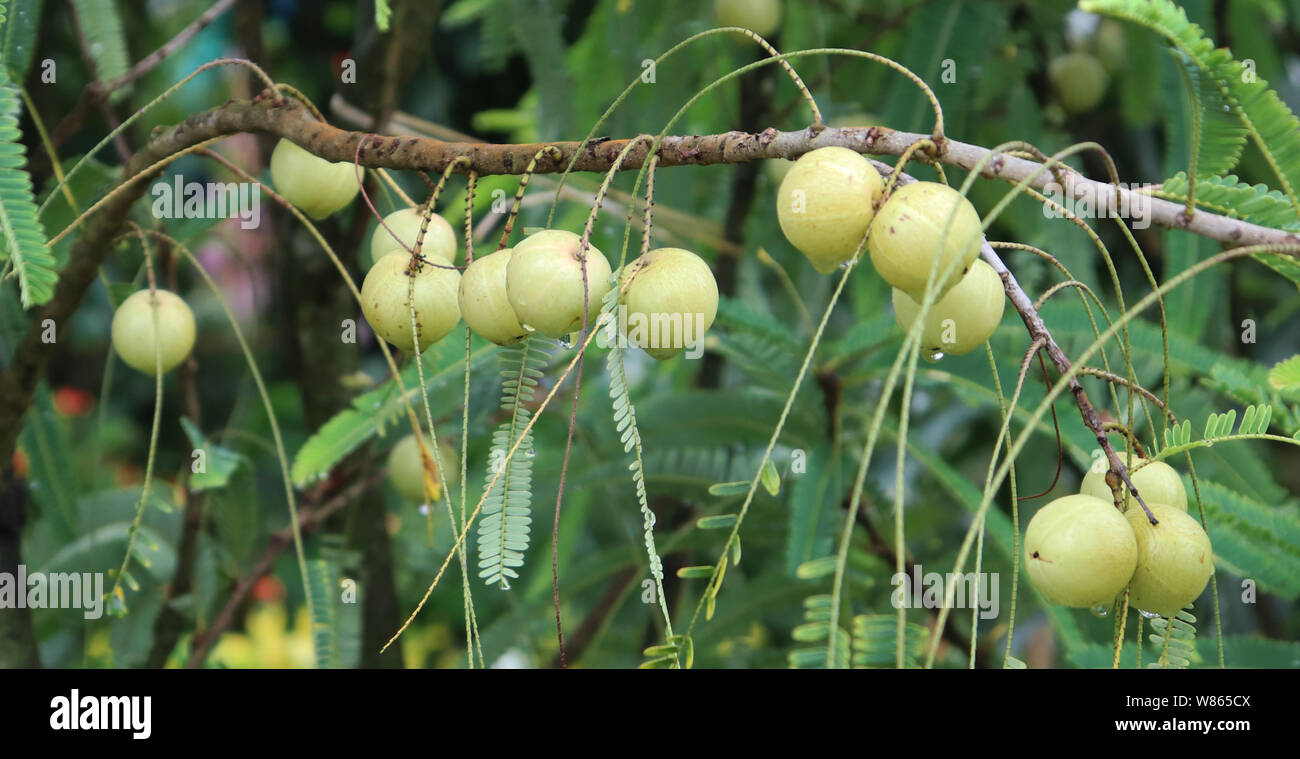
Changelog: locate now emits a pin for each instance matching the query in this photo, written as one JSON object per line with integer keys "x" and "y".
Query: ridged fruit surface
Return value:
{"x": 544, "y": 283}
{"x": 1156, "y": 482}
{"x": 909, "y": 230}
{"x": 961, "y": 320}
{"x": 825, "y": 204}
{"x": 1174, "y": 562}
{"x": 386, "y": 303}
{"x": 439, "y": 239}
{"x": 671, "y": 300}
{"x": 406, "y": 471}
{"x": 484, "y": 305}
{"x": 1080, "y": 552}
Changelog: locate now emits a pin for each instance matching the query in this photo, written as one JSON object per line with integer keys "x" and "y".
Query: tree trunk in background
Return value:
{"x": 754, "y": 100}
{"x": 17, "y": 638}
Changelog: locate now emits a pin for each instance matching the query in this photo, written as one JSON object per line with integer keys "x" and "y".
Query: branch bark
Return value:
{"x": 290, "y": 120}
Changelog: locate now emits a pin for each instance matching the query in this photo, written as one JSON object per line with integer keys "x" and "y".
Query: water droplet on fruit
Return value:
{"x": 528, "y": 328}
{"x": 566, "y": 342}
{"x": 1149, "y": 614}
{"x": 934, "y": 355}
{"x": 1100, "y": 611}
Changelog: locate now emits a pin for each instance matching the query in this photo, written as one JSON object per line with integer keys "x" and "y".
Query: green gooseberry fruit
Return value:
{"x": 136, "y": 341}
{"x": 1156, "y": 482}
{"x": 1174, "y": 559}
{"x": 1109, "y": 45}
{"x": 483, "y": 301}
{"x": 825, "y": 203}
{"x": 909, "y": 228}
{"x": 671, "y": 300}
{"x": 313, "y": 184}
{"x": 1080, "y": 81}
{"x": 386, "y": 305}
{"x": 406, "y": 471}
{"x": 962, "y": 319}
{"x": 544, "y": 283}
{"x": 439, "y": 239}
{"x": 1079, "y": 552}
{"x": 759, "y": 16}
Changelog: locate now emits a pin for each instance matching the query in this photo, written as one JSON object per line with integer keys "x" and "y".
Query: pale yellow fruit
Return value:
{"x": 671, "y": 301}
{"x": 134, "y": 337}
{"x": 313, "y": 184}
{"x": 1156, "y": 482}
{"x": 909, "y": 229}
{"x": 759, "y": 16}
{"x": 406, "y": 471}
{"x": 961, "y": 320}
{"x": 484, "y": 304}
{"x": 544, "y": 283}
{"x": 825, "y": 204}
{"x": 439, "y": 239}
{"x": 1174, "y": 562}
{"x": 1079, "y": 552}
{"x": 1080, "y": 81}
{"x": 385, "y": 301}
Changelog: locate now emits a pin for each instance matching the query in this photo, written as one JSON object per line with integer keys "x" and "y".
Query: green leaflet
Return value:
{"x": 22, "y": 239}
{"x": 383, "y": 15}
{"x": 503, "y": 528}
{"x": 1254, "y": 540}
{"x": 324, "y": 580}
{"x": 1175, "y": 641}
{"x": 1285, "y": 377}
{"x": 1270, "y": 124}
{"x": 815, "y": 630}
{"x": 19, "y": 20}
{"x": 1217, "y": 135}
{"x": 875, "y": 641}
{"x": 219, "y": 462}
{"x": 1238, "y": 651}
{"x": 1253, "y": 203}
{"x": 371, "y": 412}
{"x": 102, "y": 25}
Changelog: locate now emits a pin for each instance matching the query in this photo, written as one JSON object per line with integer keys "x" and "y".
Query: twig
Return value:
{"x": 96, "y": 92}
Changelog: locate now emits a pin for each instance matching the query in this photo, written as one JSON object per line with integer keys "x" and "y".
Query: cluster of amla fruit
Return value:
{"x": 536, "y": 287}
{"x": 827, "y": 204}
{"x": 1082, "y": 551}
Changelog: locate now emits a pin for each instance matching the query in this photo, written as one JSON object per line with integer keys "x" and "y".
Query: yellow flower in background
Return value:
{"x": 266, "y": 642}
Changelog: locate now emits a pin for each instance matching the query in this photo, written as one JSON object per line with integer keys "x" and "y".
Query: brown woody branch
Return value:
{"x": 290, "y": 120}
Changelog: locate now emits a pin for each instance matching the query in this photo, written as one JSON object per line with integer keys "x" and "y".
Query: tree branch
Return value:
{"x": 290, "y": 120}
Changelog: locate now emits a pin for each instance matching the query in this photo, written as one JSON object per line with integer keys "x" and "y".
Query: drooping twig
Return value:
{"x": 96, "y": 92}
